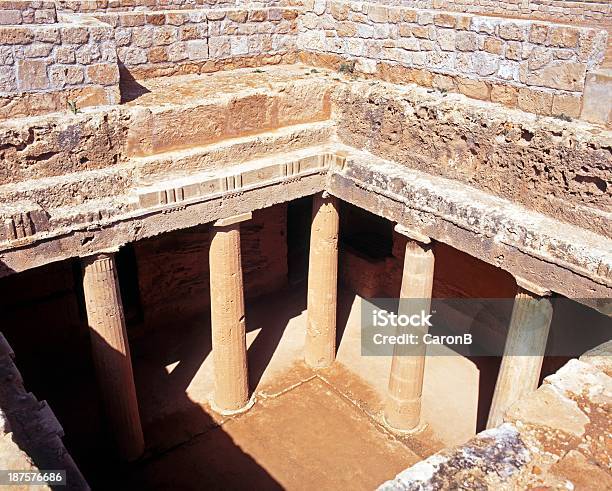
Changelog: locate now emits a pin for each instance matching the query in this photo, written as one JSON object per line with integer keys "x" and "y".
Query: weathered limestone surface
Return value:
{"x": 547, "y": 165}
{"x": 111, "y": 353}
{"x": 30, "y": 435}
{"x": 445, "y": 210}
{"x": 557, "y": 437}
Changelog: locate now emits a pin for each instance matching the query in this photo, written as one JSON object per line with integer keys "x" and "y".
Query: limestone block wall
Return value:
{"x": 15, "y": 12}
{"x": 89, "y": 6}
{"x": 539, "y": 67}
{"x": 44, "y": 66}
{"x": 183, "y": 41}
{"x": 591, "y": 11}
{"x": 79, "y": 57}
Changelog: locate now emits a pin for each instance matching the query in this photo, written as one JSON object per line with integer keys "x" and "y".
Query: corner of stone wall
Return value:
{"x": 536, "y": 66}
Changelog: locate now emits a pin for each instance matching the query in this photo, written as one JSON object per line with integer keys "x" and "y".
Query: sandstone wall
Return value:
{"x": 174, "y": 275}
{"x": 166, "y": 42}
{"x": 43, "y": 66}
{"x": 536, "y": 66}
{"x": 590, "y": 11}
{"x": 89, "y": 6}
{"x": 15, "y": 12}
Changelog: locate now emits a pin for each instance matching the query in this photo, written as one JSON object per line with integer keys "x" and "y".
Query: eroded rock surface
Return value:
{"x": 557, "y": 438}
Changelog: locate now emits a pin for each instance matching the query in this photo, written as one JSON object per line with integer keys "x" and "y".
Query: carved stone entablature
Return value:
{"x": 202, "y": 186}
{"x": 22, "y": 219}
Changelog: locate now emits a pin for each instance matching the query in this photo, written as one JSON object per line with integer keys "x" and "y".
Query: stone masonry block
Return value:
{"x": 10, "y": 17}
{"x": 16, "y": 35}
{"x": 567, "y": 105}
{"x": 8, "y": 80}
{"x": 74, "y": 35}
{"x": 558, "y": 75}
{"x": 219, "y": 47}
{"x": 197, "y": 50}
{"x": 535, "y": 101}
{"x": 32, "y": 74}
{"x": 103, "y": 74}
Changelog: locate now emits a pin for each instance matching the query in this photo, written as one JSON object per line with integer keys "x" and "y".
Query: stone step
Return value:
{"x": 182, "y": 111}
{"x": 173, "y": 113}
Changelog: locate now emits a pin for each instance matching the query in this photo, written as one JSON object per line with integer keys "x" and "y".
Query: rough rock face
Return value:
{"x": 61, "y": 144}
{"x": 556, "y": 438}
{"x": 556, "y": 168}
{"x": 31, "y": 436}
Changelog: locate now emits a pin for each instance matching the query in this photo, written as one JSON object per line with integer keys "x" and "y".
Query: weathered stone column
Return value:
{"x": 227, "y": 317}
{"x": 521, "y": 364}
{"x": 403, "y": 406}
{"x": 320, "y": 349}
{"x": 111, "y": 353}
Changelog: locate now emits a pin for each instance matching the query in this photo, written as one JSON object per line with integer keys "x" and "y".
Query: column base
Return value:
{"x": 420, "y": 428}
{"x": 232, "y": 412}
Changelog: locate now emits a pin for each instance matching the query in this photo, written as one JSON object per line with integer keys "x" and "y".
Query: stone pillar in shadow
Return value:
{"x": 111, "y": 353}
{"x": 521, "y": 364}
{"x": 227, "y": 317}
{"x": 320, "y": 348}
{"x": 403, "y": 405}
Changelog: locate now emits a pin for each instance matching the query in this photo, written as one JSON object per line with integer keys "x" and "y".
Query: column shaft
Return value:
{"x": 320, "y": 350}
{"x": 111, "y": 353}
{"x": 403, "y": 407}
{"x": 228, "y": 321}
{"x": 519, "y": 372}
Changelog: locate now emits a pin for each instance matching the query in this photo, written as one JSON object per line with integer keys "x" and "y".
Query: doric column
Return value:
{"x": 111, "y": 353}
{"x": 320, "y": 349}
{"x": 227, "y": 316}
{"x": 521, "y": 364}
{"x": 403, "y": 407}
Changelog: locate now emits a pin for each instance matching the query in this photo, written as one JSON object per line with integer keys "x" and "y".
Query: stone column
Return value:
{"x": 519, "y": 372}
{"x": 227, "y": 317}
{"x": 403, "y": 406}
{"x": 320, "y": 350}
{"x": 111, "y": 353}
